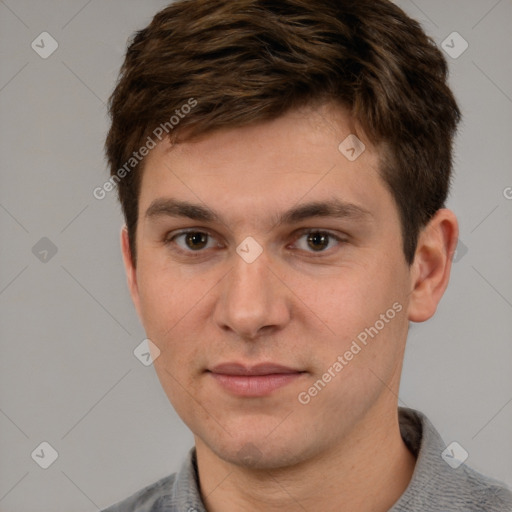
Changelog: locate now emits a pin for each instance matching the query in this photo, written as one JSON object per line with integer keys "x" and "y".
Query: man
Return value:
{"x": 283, "y": 168}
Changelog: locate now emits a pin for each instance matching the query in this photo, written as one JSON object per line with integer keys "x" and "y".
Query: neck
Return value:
{"x": 368, "y": 471}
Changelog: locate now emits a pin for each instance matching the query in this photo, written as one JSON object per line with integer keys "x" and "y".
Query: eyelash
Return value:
{"x": 170, "y": 240}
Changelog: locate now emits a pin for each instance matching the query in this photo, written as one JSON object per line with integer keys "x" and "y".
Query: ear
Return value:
{"x": 430, "y": 271}
{"x": 131, "y": 271}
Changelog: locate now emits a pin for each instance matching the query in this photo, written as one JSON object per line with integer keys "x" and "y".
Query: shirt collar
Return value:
{"x": 418, "y": 433}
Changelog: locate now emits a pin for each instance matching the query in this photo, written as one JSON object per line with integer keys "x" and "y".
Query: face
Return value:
{"x": 271, "y": 277}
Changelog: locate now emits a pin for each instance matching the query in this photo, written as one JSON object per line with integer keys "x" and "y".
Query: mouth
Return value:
{"x": 253, "y": 381}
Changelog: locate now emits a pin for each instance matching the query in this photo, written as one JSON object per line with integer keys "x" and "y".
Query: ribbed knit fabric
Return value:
{"x": 435, "y": 486}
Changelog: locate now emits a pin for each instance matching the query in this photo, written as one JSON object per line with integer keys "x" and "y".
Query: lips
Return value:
{"x": 259, "y": 369}
{"x": 253, "y": 381}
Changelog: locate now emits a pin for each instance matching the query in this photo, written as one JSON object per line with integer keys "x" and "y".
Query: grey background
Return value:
{"x": 68, "y": 375}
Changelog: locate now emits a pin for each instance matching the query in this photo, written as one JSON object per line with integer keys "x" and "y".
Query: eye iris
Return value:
{"x": 318, "y": 238}
{"x": 196, "y": 240}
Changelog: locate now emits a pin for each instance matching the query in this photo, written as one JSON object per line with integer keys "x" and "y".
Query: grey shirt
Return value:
{"x": 435, "y": 485}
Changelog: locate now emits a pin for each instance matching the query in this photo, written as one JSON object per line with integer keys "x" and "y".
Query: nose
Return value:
{"x": 252, "y": 300}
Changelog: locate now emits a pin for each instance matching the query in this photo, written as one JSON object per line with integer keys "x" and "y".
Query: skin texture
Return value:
{"x": 299, "y": 304}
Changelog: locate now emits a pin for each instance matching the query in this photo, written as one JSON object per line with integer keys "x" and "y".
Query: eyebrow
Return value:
{"x": 334, "y": 208}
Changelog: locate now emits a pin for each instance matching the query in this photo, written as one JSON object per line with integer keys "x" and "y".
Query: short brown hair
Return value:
{"x": 239, "y": 62}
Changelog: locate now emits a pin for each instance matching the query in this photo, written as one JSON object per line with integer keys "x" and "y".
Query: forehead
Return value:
{"x": 261, "y": 169}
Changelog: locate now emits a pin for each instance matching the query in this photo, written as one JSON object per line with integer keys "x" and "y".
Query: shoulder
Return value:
{"x": 484, "y": 493}
{"x": 441, "y": 483}
{"x": 147, "y": 499}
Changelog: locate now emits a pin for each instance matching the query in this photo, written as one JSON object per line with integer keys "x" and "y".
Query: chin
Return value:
{"x": 261, "y": 454}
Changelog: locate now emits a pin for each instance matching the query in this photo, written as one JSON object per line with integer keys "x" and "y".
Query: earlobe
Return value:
{"x": 131, "y": 273}
{"x": 430, "y": 271}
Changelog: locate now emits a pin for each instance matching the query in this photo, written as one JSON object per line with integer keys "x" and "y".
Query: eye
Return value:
{"x": 192, "y": 241}
{"x": 317, "y": 241}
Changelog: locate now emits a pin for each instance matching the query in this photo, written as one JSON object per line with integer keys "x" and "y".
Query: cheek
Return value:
{"x": 173, "y": 314}
{"x": 165, "y": 296}
{"x": 348, "y": 300}
{"x": 158, "y": 304}
{"x": 364, "y": 315}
